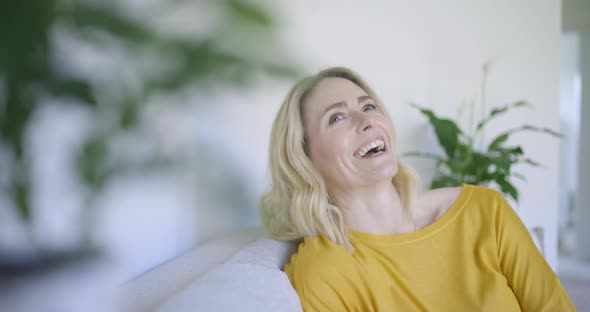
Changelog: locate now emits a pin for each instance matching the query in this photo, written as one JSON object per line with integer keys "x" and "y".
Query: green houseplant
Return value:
{"x": 38, "y": 41}
{"x": 464, "y": 162}
{"x": 164, "y": 62}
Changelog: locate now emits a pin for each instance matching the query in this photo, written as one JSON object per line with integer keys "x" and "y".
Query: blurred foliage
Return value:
{"x": 463, "y": 163}
{"x": 30, "y": 71}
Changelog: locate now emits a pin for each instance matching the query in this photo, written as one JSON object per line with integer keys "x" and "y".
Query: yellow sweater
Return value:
{"x": 477, "y": 257}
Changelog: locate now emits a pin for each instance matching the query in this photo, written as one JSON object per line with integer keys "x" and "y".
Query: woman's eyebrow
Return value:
{"x": 364, "y": 98}
{"x": 360, "y": 99}
{"x": 332, "y": 106}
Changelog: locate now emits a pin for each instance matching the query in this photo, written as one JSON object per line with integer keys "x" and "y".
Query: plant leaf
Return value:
{"x": 541, "y": 129}
{"x": 92, "y": 17}
{"x": 519, "y": 175}
{"x": 498, "y": 111}
{"x": 531, "y": 162}
{"x": 92, "y": 162}
{"x": 78, "y": 89}
{"x": 516, "y": 151}
{"x": 507, "y": 187}
{"x": 504, "y": 136}
{"x": 249, "y": 12}
{"x": 479, "y": 166}
{"x": 443, "y": 181}
{"x": 446, "y": 131}
{"x": 21, "y": 199}
{"x": 498, "y": 141}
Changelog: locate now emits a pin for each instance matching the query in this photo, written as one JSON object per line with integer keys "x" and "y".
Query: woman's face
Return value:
{"x": 350, "y": 140}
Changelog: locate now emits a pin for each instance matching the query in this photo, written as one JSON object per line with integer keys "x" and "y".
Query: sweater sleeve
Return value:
{"x": 333, "y": 292}
{"x": 331, "y": 281}
{"x": 532, "y": 280}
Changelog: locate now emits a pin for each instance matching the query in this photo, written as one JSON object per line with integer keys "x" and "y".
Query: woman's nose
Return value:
{"x": 365, "y": 123}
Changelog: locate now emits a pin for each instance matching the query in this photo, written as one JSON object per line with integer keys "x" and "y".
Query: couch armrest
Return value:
{"x": 148, "y": 290}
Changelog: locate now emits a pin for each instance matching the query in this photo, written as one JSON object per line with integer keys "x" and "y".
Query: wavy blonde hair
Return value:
{"x": 298, "y": 203}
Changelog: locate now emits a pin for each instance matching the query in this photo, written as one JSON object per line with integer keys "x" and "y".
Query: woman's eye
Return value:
{"x": 369, "y": 107}
{"x": 335, "y": 118}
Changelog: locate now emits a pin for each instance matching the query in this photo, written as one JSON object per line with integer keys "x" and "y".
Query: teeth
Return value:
{"x": 368, "y": 147}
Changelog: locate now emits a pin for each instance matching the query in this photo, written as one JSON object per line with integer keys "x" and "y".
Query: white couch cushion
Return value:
{"x": 152, "y": 288}
{"x": 252, "y": 280}
{"x": 266, "y": 252}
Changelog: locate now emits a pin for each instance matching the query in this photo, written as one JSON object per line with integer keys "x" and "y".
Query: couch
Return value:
{"x": 237, "y": 272}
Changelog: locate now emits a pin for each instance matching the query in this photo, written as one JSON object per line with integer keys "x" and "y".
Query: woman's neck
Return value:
{"x": 376, "y": 209}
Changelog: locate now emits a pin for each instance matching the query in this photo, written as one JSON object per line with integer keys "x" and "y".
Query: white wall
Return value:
{"x": 431, "y": 52}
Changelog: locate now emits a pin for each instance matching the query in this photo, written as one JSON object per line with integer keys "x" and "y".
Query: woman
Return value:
{"x": 370, "y": 242}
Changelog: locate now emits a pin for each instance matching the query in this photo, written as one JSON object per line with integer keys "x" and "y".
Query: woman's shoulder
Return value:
{"x": 327, "y": 277}
{"x": 445, "y": 196}
{"x": 433, "y": 204}
{"x": 318, "y": 250}
{"x": 318, "y": 255}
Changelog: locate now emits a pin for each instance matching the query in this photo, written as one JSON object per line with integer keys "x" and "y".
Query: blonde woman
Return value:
{"x": 369, "y": 240}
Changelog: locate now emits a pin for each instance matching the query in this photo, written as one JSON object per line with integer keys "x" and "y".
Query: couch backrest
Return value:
{"x": 266, "y": 252}
{"x": 250, "y": 281}
{"x": 154, "y": 287}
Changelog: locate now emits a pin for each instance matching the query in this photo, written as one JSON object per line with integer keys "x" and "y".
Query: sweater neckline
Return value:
{"x": 422, "y": 233}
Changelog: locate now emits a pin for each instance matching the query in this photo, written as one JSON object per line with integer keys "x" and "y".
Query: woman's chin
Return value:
{"x": 383, "y": 172}
{"x": 387, "y": 168}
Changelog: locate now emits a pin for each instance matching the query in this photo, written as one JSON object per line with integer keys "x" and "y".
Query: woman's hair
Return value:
{"x": 298, "y": 203}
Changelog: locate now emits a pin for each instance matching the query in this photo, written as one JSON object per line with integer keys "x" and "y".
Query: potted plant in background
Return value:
{"x": 464, "y": 162}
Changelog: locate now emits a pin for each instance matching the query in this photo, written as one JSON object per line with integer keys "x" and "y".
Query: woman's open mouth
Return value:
{"x": 372, "y": 149}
